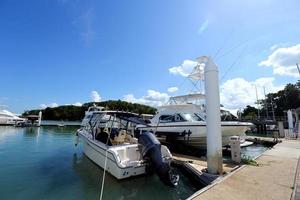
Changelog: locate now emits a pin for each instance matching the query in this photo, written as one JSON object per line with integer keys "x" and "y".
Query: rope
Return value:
{"x": 232, "y": 49}
{"x": 234, "y": 63}
{"x": 105, "y": 162}
{"x": 224, "y": 43}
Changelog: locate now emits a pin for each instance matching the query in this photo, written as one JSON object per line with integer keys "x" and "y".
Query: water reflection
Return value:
{"x": 31, "y": 131}
{"x": 60, "y": 130}
{"x": 42, "y": 163}
{"x": 142, "y": 187}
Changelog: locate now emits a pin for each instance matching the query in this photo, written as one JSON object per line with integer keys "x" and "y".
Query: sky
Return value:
{"x": 63, "y": 52}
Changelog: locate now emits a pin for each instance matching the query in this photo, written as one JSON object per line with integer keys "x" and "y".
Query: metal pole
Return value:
{"x": 213, "y": 118}
{"x": 273, "y": 113}
{"x": 266, "y": 103}
{"x": 257, "y": 102}
{"x": 298, "y": 68}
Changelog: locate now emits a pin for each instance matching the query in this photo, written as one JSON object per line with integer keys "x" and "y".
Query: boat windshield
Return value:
{"x": 191, "y": 117}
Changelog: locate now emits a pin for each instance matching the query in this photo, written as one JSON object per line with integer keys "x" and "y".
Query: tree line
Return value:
{"x": 76, "y": 113}
{"x": 277, "y": 103}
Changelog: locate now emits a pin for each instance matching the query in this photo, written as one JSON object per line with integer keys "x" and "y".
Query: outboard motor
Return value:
{"x": 150, "y": 148}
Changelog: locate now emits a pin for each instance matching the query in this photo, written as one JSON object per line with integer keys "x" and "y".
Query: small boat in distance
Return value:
{"x": 111, "y": 141}
{"x": 61, "y": 124}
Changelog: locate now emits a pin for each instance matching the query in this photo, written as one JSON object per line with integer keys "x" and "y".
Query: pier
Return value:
{"x": 275, "y": 177}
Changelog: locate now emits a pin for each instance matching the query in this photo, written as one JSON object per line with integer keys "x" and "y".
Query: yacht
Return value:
{"x": 110, "y": 140}
{"x": 185, "y": 123}
{"x": 8, "y": 118}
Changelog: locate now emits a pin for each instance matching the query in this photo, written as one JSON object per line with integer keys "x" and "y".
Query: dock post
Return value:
{"x": 290, "y": 122}
{"x": 281, "y": 129}
{"x": 40, "y": 118}
{"x": 213, "y": 119}
{"x": 235, "y": 148}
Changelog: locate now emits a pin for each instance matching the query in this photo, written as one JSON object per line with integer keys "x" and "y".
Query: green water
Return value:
{"x": 253, "y": 151}
{"x": 43, "y": 163}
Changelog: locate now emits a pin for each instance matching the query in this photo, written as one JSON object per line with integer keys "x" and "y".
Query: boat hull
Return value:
{"x": 96, "y": 152}
{"x": 195, "y": 135}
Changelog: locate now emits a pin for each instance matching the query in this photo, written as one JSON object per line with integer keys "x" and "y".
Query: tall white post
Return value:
{"x": 213, "y": 119}
{"x": 290, "y": 119}
{"x": 40, "y": 118}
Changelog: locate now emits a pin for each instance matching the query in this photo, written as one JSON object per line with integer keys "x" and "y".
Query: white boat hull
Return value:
{"x": 115, "y": 164}
{"x": 123, "y": 161}
{"x": 197, "y": 137}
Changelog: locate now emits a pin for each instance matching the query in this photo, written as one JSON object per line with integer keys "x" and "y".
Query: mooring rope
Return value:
{"x": 105, "y": 161}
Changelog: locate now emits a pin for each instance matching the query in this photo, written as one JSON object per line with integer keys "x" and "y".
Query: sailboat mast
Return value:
{"x": 257, "y": 102}
{"x": 266, "y": 103}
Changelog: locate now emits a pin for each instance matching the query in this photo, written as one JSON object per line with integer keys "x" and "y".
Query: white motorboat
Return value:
{"x": 186, "y": 123}
{"x": 110, "y": 140}
{"x": 8, "y": 118}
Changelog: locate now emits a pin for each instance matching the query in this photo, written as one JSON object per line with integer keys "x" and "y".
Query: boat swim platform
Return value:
{"x": 200, "y": 164}
{"x": 276, "y": 177}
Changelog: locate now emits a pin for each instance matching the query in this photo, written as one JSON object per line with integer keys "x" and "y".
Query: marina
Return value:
{"x": 149, "y": 100}
{"x": 47, "y": 159}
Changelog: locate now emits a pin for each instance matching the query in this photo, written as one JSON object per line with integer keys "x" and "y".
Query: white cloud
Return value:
{"x": 203, "y": 27}
{"x": 184, "y": 69}
{"x": 283, "y": 61}
{"x": 238, "y": 93}
{"x": 153, "y": 98}
{"x": 77, "y": 104}
{"x": 95, "y": 96}
{"x": 275, "y": 46}
{"x": 172, "y": 89}
{"x": 50, "y": 105}
{"x": 53, "y": 105}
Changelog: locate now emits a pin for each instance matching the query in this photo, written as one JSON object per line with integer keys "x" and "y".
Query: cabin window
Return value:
{"x": 171, "y": 118}
{"x": 166, "y": 118}
{"x": 191, "y": 117}
{"x": 227, "y": 116}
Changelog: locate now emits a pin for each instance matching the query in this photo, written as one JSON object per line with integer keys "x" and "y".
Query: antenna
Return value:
{"x": 266, "y": 103}
{"x": 298, "y": 68}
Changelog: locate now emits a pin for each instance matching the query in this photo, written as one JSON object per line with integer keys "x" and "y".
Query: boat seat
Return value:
{"x": 120, "y": 138}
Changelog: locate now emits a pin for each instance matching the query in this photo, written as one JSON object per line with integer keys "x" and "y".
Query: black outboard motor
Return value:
{"x": 150, "y": 148}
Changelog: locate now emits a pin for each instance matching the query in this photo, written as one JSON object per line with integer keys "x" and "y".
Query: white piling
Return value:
{"x": 40, "y": 118}
{"x": 290, "y": 119}
{"x": 213, "y": 119}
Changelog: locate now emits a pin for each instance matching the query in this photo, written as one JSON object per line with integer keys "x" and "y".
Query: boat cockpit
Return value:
{"x": 114, "y": 128}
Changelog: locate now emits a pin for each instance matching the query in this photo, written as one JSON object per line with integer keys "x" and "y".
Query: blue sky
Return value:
{"x": 56, "y": 52}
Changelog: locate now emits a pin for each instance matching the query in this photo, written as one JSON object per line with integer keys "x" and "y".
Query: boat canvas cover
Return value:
{"x": 126, "y": 116}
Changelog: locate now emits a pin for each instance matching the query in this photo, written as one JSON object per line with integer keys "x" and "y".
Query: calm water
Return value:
{"x": 43, "y": 163}
{"x": 253, "y": 151}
